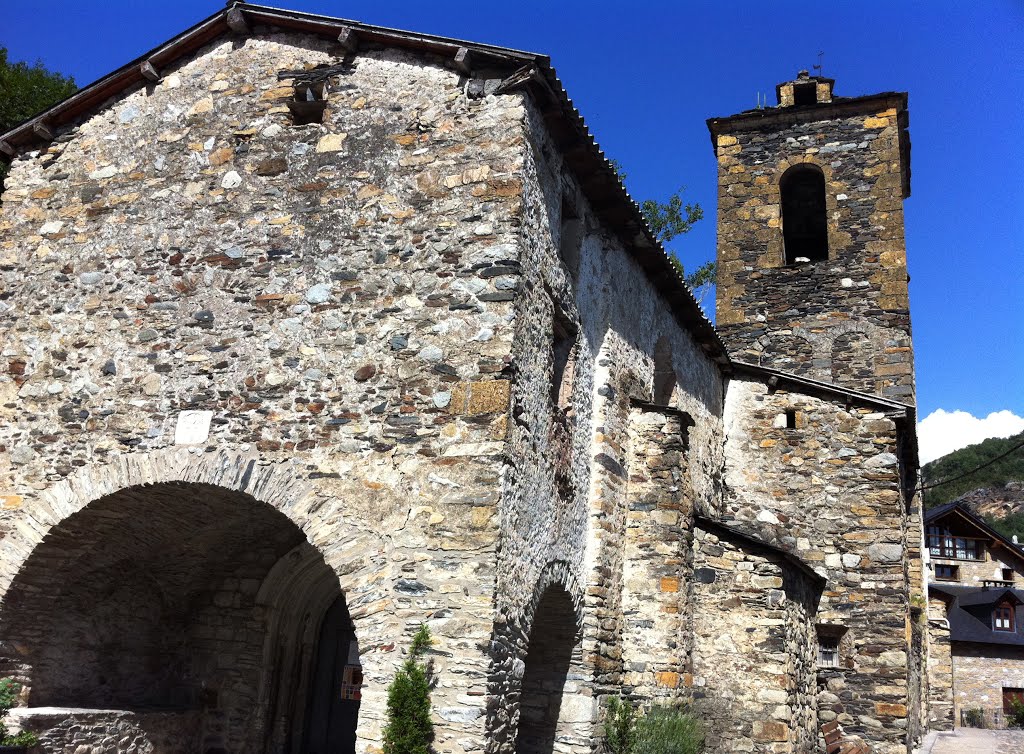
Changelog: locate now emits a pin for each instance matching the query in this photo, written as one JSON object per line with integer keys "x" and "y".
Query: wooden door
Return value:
{"x": 333, "y": 711}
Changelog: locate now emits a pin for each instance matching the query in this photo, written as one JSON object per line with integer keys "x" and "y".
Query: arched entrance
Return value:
{"x": 544, "y": 718}
{"x": 189, "y": 600}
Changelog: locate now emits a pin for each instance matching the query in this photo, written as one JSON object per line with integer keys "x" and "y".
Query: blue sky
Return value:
{"x": 647, "y": 75}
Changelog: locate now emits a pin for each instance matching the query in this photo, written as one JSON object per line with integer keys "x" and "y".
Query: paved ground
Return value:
{"x": 974, "y": 741}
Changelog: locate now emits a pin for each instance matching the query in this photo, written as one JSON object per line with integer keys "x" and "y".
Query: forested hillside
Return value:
{"x": 952, "y": 466}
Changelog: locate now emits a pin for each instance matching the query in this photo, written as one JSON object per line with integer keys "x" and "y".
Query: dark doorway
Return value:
{"x": 804, "y": 214}
{"x": 336, "y": 682}
{"x": 550, "y": 654}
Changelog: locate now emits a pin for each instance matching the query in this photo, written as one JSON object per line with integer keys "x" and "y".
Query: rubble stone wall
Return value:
{"x": 845, "y": 319}
{"x": 332, "y": 300}
{"x": 940, "y": 669}
{"x": 113, "y": 731}
{"x": 565, "y": 495}
{"x": 981, "y": 672}
{"x": 755, "y": 649}
{"x": 829, "y": 490}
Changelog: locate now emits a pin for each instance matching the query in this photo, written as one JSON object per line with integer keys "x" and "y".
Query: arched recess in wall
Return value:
{"x": 545, "y": 717}
{"x": 664, "y": 372}
{"x": 790, "y": 353}
{"x": 804, "y": 214}
{"x": 186, "y": 597}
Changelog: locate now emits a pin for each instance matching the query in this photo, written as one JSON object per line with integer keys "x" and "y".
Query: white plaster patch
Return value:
{"x": 193, "y": 427}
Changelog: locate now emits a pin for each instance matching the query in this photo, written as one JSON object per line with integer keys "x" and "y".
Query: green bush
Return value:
{"x": 9, "y": 689}
{"x": 663, "y": 729}
{"x": 669, "y": 730}
{"x": 409, "y": 729}
{"x": 620, "y": 726}
{"x": 1015, "y": 717}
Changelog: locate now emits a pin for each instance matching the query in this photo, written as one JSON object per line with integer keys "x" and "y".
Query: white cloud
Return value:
{"x": 942, "y": 432}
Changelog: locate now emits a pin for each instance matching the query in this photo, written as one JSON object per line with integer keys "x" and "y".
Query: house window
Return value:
{"x": 791, "y": 419}
{"x": 947, "y": 572}
{"x": 828, "y": 651}
{"x": 1002, "y": 617}
{"x": 664, "y": 374}
{"x": 1007, "y": 574}
{"x": 942, "y": 544}
{"x": 804, "y": 218}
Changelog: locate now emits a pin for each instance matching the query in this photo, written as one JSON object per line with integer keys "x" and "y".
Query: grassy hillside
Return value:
{"x": 1008, "y": 469}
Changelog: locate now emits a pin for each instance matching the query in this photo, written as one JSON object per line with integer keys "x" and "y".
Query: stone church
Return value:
{"x": 314, "y": 332}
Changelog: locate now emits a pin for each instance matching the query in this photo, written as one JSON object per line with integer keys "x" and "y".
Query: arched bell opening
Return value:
{"x": 804, "y": 214}
{"x": 195, "y": 607}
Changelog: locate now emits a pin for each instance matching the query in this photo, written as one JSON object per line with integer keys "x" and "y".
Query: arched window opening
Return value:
{"x": 804, "y": 219}
{"x": 664, "y": 374}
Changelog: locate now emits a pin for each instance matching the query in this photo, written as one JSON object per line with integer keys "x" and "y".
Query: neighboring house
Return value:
{"x": 315, "y": 331}
{"x": 976, "y": 618}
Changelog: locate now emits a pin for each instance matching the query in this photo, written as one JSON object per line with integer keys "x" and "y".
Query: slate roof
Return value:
{"x": 970, "y": 613}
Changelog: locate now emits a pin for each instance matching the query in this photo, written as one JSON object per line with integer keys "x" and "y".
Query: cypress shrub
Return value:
{"x": 409, "y": 729}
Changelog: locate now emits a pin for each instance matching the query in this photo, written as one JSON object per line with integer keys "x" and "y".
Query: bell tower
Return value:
{"x": 812, "y": 264}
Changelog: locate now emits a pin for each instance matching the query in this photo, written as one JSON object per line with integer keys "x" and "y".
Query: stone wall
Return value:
{"x": 565, "y": 500}
{"x": 829, "y": 490}
{"x": 331, "y": 301}
{"x": 940, "y": 668}
{"x": 981, "y": 671}
{"x": 657, "y": 632}
{"x": 755, "y": 649}
{"x": 64, "y": 731}
{"x": 845, "y": 319}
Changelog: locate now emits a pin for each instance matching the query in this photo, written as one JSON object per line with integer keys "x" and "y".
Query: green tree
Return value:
{"x": 409, "y": 729}
{"x": 26, "y": 90}
{"x": 668, "y": 220}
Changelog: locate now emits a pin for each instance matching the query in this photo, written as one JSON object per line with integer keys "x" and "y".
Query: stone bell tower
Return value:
{"x": 812, "y": 266}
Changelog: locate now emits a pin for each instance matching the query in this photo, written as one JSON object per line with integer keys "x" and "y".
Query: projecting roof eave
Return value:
{"x": 904, "y": 414}
{"x": 979, "y": 523}
{"x": 732, "y": 530}
{"x": 837, "y": 107}
{"x": 784, "y": 117}
{"x": 521, "y": 70}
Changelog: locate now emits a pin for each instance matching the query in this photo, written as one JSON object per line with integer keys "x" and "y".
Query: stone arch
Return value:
{"x": 180, "y": 581}
{"x": 557, "y": 573}
{"x": 555, "y": 709}
{"x": 804, "y": 214}
{"x": 775, "y": 253}
{"x": 789, "y": 352}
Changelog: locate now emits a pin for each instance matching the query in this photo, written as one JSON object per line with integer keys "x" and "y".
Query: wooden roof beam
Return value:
{"x": 348, "y": 39}
{"x": 149, "y": 71}
{"x": 236, "y": 21}
{"x": 7, "y": 149}
{"x": 42, "y": 131}
{"x": 464, "y": 61}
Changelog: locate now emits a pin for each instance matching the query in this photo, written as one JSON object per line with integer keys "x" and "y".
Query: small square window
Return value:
{"x": 1007, "y": 574}
{"x": 947, "y": 572}
{"x": 828, "y": 651}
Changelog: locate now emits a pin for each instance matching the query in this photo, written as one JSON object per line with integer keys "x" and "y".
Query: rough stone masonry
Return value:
{"x": 308, "y": 321}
